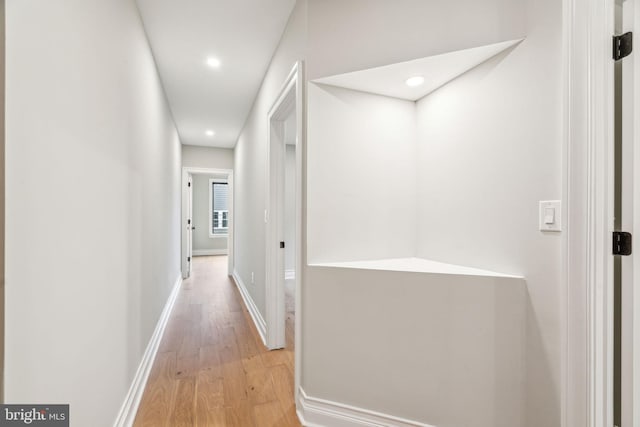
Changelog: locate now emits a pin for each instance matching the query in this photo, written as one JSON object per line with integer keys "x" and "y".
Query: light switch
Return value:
{"x": 550, "y": 215}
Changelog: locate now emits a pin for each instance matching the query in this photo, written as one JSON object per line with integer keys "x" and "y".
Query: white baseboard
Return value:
{"x": 129, "y": 408}
{"x": 207, "y": 252}
{"x": 258, "y": 320}
{"x": 315, "y": 412}
{"x": 289, "y": 274}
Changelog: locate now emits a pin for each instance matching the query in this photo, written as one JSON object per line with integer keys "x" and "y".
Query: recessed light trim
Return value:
{"x": 210, "y": 133}
{"x": 414, "y": 81}
{"x": 213, "y": 62}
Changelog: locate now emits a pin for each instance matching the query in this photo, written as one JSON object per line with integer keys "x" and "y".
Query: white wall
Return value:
{"x": 489, "y": 150}
{"x": 207, "y": 157}
{"x": 361, "y": 176}
{"x": 200, "y": 214}
{"x": 441, "y": 349}
{"x": 93, "y": 203}
{"x": 250, "y": 160}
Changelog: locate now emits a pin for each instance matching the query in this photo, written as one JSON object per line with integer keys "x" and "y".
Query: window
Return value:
{"x": 219, "y": 208}
{"x": 220, "y": 221}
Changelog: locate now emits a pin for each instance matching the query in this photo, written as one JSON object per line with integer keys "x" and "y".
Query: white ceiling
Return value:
{"x": 437, "y": 70}
{"x": 242, "y": 34}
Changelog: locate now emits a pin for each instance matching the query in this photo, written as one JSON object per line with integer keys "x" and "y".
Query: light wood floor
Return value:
{"x": 212, "y": 369}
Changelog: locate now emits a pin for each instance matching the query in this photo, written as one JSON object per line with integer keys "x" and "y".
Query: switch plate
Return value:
{"x": 550, "y": 215}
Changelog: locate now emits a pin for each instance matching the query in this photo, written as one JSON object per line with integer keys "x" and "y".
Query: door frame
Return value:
{"x": 588, "y": 186}
{"x": 291, "y": 93}
{"x": 188, "y": 226}
{"x": 186, "y": 171}
{"x": 629, "y": 164}
{"x": 636, "y": 224}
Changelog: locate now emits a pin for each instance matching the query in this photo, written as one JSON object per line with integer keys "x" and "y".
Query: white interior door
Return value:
{"x": 280, "y": 176}
{"x": 190, "y": 226}
{"x": 631, "y": 280}
{"x": 275, "y": 237}
{"x": 626, "y": 295}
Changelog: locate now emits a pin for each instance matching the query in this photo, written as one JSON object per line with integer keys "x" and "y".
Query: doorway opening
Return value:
{"x": 283, "y": 218}
{"x": 207, "y": 215}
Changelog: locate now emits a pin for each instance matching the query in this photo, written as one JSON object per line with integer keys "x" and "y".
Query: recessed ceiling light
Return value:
{"x": 213, "y": 62}
{"x": 414, "y": 81}
{"x": 210, "y": 133}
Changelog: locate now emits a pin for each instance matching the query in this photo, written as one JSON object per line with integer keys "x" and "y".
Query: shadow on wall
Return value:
{"x": 540, "y": 375}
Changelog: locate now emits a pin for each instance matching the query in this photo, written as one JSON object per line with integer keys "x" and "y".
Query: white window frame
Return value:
{"x": 211, "y": 211}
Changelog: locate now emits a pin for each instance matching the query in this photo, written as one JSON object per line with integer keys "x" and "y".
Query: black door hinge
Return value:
{"x": 188, "y": 259}
{"x": 621, "y": 243}
{"x": 281, "y": 245}
{"x": 188, "y": 221}
{"x": 622, "y": 45}
{"x": 188, "y": 184}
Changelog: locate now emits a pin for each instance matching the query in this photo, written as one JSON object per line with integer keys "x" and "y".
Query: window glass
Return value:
{"x": 219, "y": 208}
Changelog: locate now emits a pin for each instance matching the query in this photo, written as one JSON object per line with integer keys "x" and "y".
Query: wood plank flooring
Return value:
{"x": 212, "y": 369}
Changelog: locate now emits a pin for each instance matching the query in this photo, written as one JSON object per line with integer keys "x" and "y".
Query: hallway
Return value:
{"x": 212, "y": 368}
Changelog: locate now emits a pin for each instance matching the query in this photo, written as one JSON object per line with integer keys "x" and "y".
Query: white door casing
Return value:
{"x": 630, "y": 221}
{"x": 187, "y": 221}
{"x": 275, "y": 307}
{"x": 186, "y": 217}
{"x": 588, "y": 181}
{"x": 626, "y": 220}
{"x": 633, "y": 281}
{"x": 291, "y": 97}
